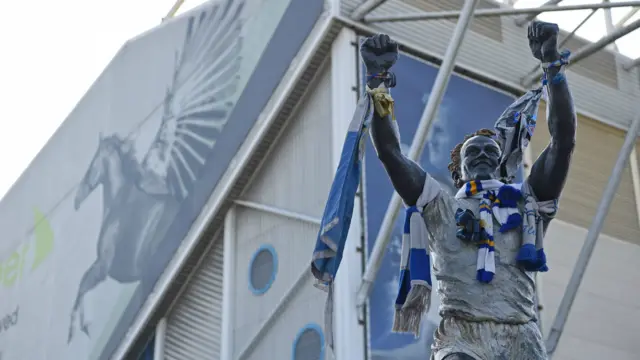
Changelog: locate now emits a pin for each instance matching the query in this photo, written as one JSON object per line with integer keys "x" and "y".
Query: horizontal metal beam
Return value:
{"x": 526, "y": 18}
{"x": 588, "y": 50}
{"x": 365, "y": 8}
{"x": 440, "y": 15}
{"x": 279, "y": 212}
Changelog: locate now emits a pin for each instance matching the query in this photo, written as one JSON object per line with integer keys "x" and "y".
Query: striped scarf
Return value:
{"x": 336, "y": 219}
{"x": 499, "y": 201}
{"x": 414, "y": 290}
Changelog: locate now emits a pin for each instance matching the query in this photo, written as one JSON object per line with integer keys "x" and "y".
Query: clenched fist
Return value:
{"x": 543, "y": 41}
{"x": 379, "y": 53}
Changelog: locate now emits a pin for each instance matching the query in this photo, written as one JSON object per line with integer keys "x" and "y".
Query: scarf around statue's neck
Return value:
{"x": 502, "y": 202}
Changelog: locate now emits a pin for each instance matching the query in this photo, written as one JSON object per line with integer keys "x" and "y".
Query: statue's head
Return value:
{"x": 476, "y": 158}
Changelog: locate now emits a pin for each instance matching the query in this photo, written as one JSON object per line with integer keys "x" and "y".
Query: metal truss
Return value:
{"x": 361, "y": 13}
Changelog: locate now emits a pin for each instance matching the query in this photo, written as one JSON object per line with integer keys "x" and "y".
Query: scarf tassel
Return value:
{"x": 532, "y": 259}
{"x": 414, "y": 294}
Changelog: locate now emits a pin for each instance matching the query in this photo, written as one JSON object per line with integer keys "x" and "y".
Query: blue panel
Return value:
{"x": 466, "y": 107}
{"x": 274, "y": 270}
{"x": 313, "y": 327}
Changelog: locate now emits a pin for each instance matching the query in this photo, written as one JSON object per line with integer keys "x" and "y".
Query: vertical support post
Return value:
{"x": 634, "y": 164}
{"x": 228, "y": 311}
{"x": 160, "y": 336}
{"x": 610, "y": 27}
{"x": 437, "y": 93}
{"x": 349, "y": 334}
{"x": 594, "y": 231}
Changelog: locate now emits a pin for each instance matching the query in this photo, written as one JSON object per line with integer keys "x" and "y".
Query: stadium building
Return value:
{"x": 174, "y": 213}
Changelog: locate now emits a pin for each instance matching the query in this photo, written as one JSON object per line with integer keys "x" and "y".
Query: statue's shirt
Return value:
{"x": 508, "y": 298}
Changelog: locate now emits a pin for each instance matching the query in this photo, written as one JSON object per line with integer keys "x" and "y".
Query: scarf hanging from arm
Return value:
{"x": 414, "y": 288}
{"x": 338, "y": 211}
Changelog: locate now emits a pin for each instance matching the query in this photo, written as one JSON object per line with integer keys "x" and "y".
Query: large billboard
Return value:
{"x": 93, "y": 222}
{"x": 467, "y": 106}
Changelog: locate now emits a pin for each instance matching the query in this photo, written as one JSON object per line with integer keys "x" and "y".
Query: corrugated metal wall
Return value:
{"x": 194, "y": 324}
{"x": 497, "y": 48}
{"x": 296, "y": 177}
{"x": 597, "y": 148}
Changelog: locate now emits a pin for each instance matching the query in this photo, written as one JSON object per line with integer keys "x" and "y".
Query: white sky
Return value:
{"x": 54, "y": 50}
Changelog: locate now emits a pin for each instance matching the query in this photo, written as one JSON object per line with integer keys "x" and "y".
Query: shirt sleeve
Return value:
{"x": 430, "y": 191}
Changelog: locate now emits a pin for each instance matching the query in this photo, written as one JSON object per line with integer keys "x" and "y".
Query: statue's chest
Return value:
{"x": 506, "y": 246}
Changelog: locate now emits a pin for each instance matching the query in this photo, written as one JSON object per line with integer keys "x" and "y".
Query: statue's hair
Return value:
{"x": 456, "y": 158}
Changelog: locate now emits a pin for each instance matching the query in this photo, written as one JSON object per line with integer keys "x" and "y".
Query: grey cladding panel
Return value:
{"x": 194, "y": 325}
{"x": 489, "y": 27}
{"x": 600, "y": 66}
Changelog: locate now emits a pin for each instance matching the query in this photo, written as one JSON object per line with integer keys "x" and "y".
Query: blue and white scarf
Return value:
{"x": 338, "y": 211}
{"x": 501, "y": 202}
{"x": 414, "y": 291}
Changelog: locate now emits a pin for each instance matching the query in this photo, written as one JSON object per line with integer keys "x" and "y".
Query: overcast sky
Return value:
{"x": 54, "y": 50}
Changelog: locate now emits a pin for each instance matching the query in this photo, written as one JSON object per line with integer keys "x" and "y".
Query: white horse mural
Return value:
{"x": 141, "y": 198}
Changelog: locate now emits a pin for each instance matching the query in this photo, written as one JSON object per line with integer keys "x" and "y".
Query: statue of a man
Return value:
{"x": 487, "y": 294}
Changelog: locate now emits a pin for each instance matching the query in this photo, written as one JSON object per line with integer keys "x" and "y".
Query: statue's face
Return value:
{"x": 480, "y": 157}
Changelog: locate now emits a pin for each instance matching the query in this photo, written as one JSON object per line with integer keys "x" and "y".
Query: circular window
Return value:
{"x": 263, "y": 269}
{"x": 309, "y": 344}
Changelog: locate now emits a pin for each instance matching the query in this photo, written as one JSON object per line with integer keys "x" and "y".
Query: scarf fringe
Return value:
{"x": 407, "y": 319}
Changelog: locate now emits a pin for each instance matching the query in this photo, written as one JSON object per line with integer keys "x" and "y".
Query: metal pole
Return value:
{"x": 588, "y": 49}
{"x": 573, "y": 32}
{"x": 440, "y": 15}
{"x": 594, "y": 231}
{"x": 525, "y": 19}
{"x": 228, "y": 283}
{"x": 626, "y": 17}
{"x": 365, "y": 8}
{"x": 608, "y": 22}
{"x": 437, "y": 92}
{"x": 567, "y": 38}
{"x": 161, "y": 334}
{"x": 174, "y": 9}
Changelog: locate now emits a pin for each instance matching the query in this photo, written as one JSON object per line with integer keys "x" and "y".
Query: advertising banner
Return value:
{"x": 92, "y": 223}
{"x": 466, "y": 107}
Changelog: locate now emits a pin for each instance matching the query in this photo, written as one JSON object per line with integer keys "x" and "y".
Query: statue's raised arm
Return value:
{"x": 550, "y": 170}
{"x": 379, "y": 53}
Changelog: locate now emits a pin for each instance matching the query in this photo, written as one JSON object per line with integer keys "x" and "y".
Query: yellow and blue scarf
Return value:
{"x": 500, "y": 201}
